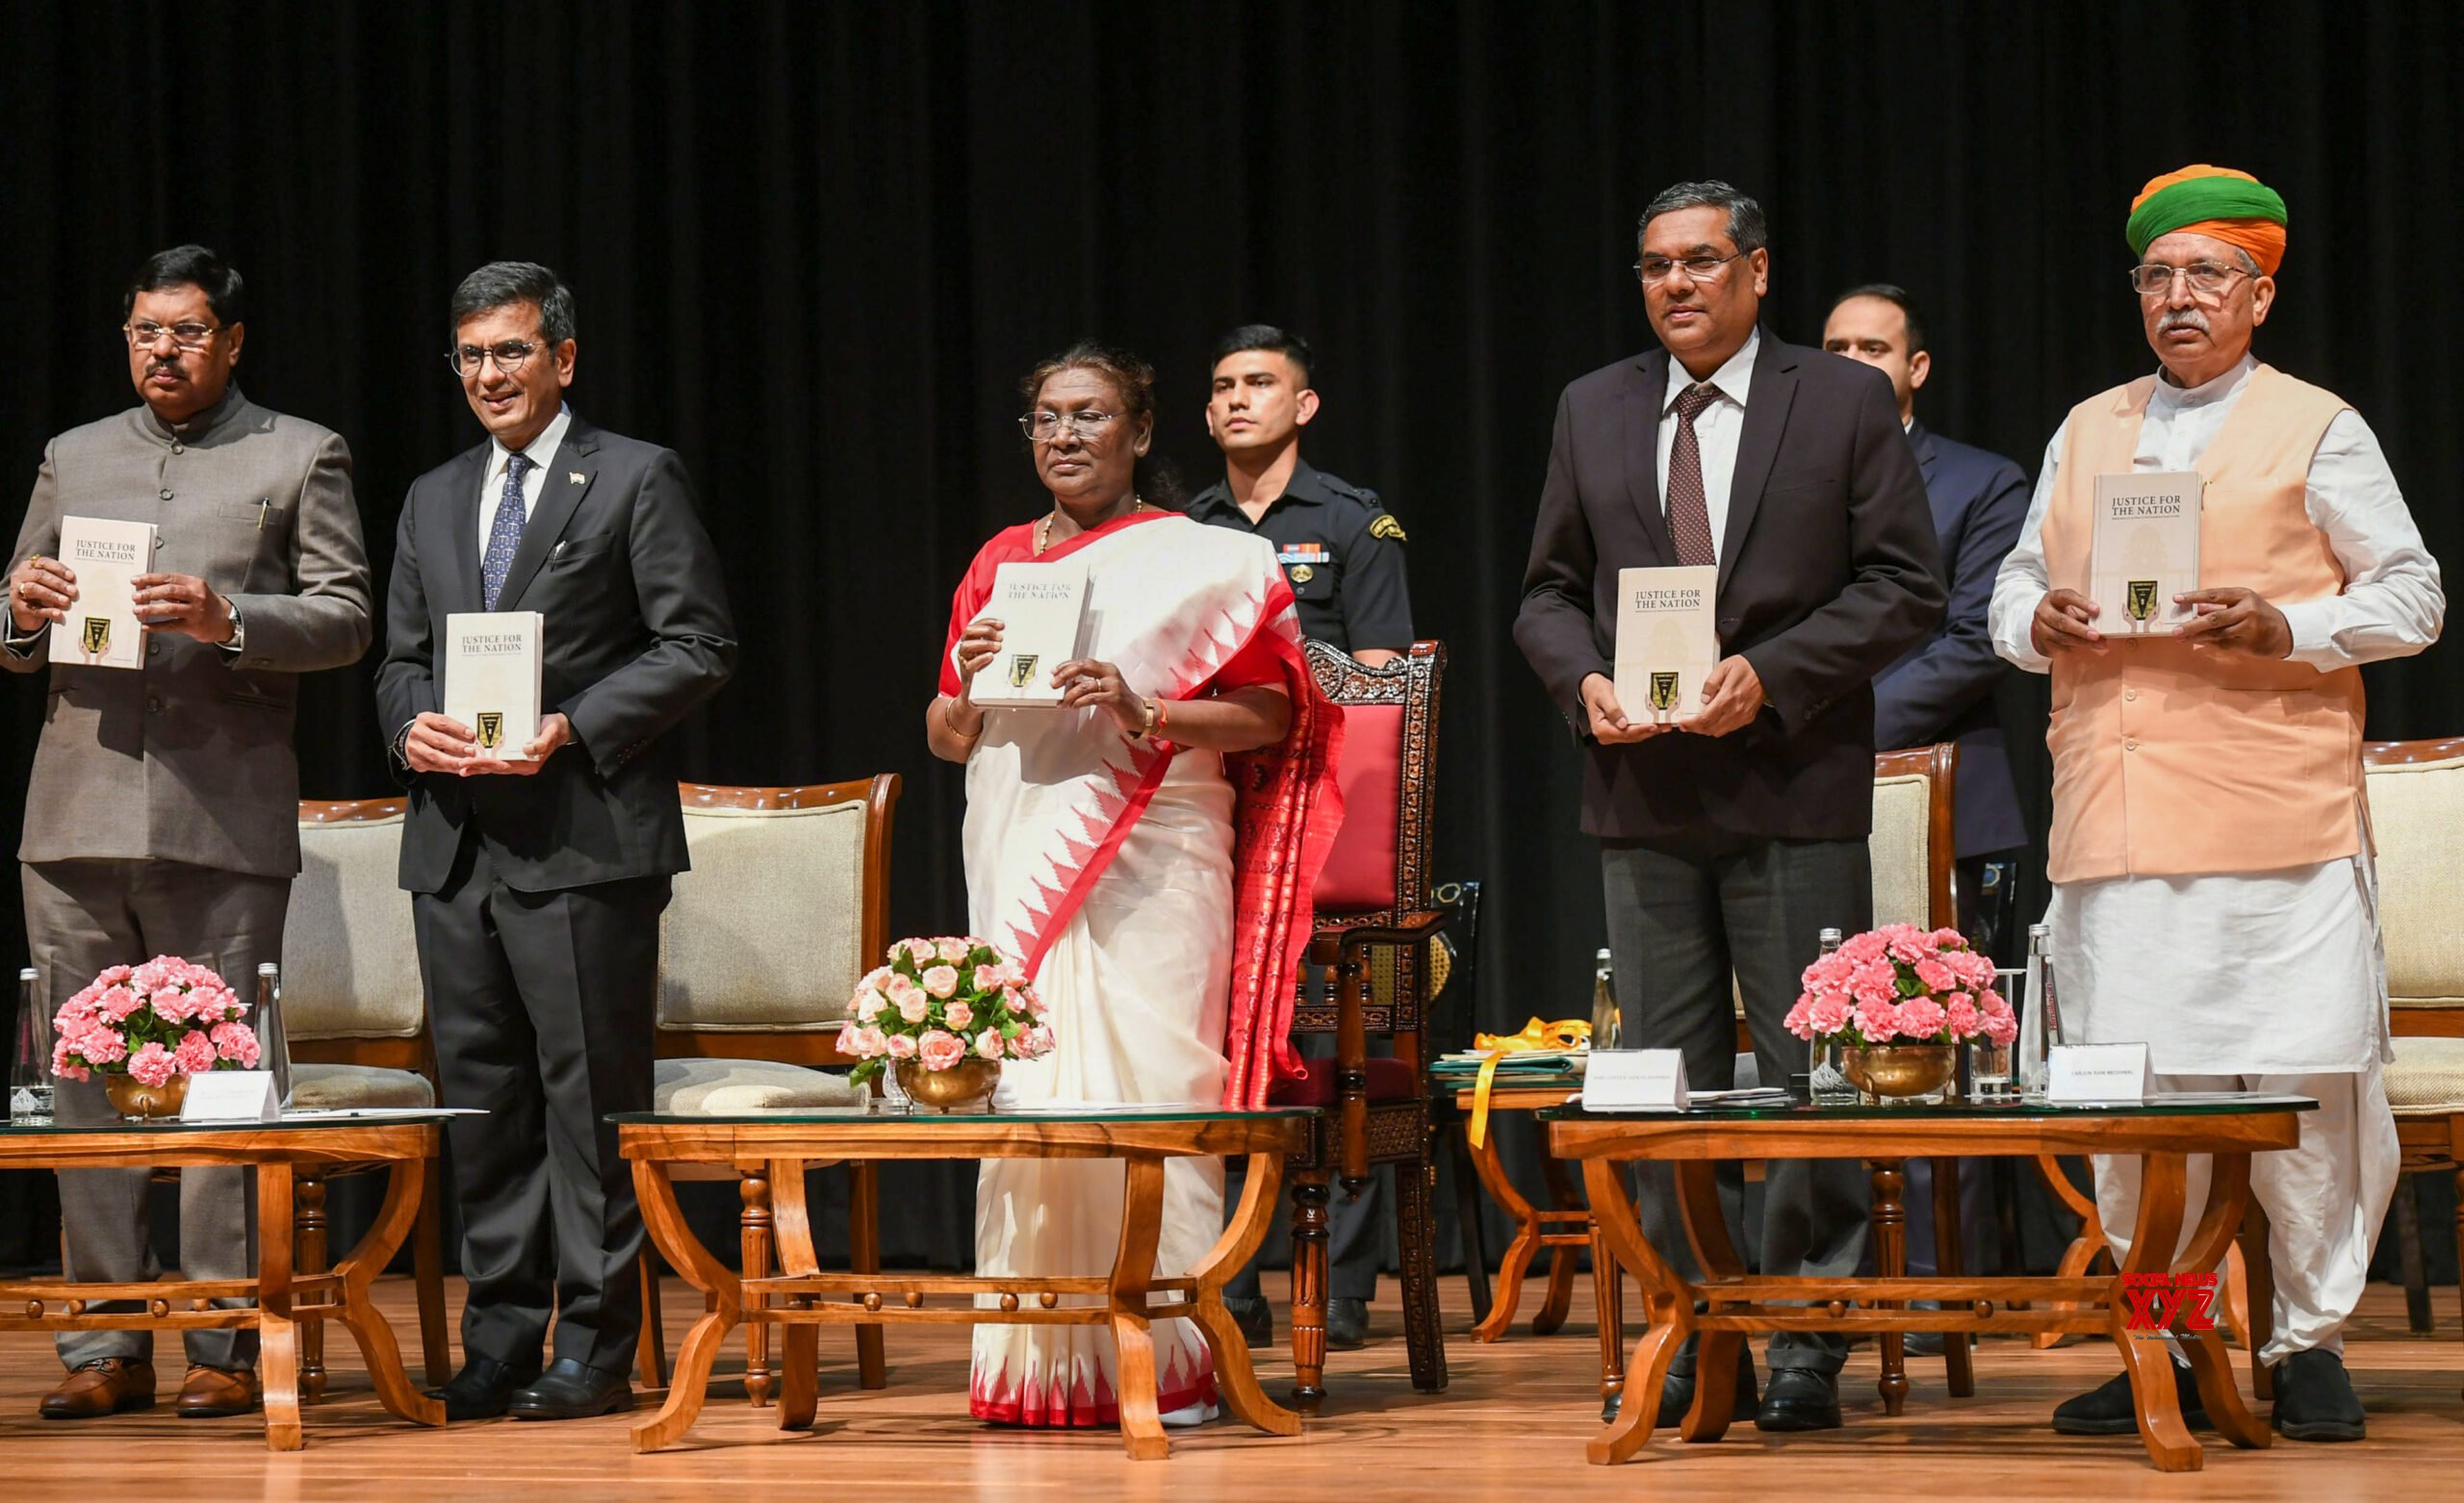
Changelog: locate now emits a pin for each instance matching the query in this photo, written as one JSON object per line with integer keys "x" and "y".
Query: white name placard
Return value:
{"x": 1634, "y": 1079}
{"x": 231, "y": 1096}
{"x": 2098, "y": 1074}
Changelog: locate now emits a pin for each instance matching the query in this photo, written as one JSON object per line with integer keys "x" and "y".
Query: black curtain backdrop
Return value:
{"x": 815, "y": 247}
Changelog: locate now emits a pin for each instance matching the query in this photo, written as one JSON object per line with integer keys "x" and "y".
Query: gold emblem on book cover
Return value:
{"x": 2141, "y": 604}
{"x": 1022, "y": 667}
{"x": 97, "y": 635}
{"x": 491, "y": 730}
{"x": 1663, "y": 694}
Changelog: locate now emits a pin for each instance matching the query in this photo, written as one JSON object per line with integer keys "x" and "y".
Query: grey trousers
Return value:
{"x": 1684, "y": 914}
{"x": 544, "y": 1006}
{"x": 82, "y": 916}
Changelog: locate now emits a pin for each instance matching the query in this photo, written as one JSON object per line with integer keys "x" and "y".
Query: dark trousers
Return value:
{"x": 1685, "y": 915}
{"x": 82, "y": 916}
{"x": 543, "y": 1007}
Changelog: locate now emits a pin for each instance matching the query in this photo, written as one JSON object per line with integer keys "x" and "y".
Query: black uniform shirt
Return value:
{"x": 1340, "y": 550}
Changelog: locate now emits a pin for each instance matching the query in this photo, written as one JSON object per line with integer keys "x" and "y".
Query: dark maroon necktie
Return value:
{"x": 1689, "y": 513}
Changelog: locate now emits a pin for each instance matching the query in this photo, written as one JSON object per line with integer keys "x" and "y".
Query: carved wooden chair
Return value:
{"x": 1374, "y": 901}
{"x": 785, "y": 881}
{"x": 356, "y": 1017}
{"x": 2416, "y": 791}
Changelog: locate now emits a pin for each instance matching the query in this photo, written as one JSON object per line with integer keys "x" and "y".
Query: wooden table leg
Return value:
{"x": 277, "y": 1338}
{"x": 311, "y": 1256}
{"x": 1958, "y": 1361}
{"x": 1668, "y": 1298}
{"x": 864, "y": 1255}
{"x": 2228, "y": 1193}
{"x": 2147, "y": 1359}
{"x": 1890, "y": 1262}
{"x": 1561, "y": 1258}
{"x": 1517, "y": 1258}
{"x": 688, "y": 1385}
{"x": 1717, "y": 1353}
{"x": 1608, "y": 1284}
{"x": 405, "y": 1192}
{"x": 799, "y": 1343}
{"x": 2082, "y": 1253}
{"x": 1141, "y": 1231}
{"x": 1243, "y": 1234}
{"x": 2258, "y": 1272}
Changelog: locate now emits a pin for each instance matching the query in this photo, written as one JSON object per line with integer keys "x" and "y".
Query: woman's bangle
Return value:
{"x": 1163, "y": 715}
{"x": 950, "y": 718}
{"x": 1153, "y": 716}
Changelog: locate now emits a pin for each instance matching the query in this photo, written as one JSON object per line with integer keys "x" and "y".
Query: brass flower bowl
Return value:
{"x": 1888, "y": 1073}
{"x": 140, "y": 1101}
{"x": 964, "y": 1087}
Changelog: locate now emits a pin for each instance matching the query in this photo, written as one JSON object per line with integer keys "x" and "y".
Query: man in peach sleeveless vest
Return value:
{"x": 2209, "y": 859}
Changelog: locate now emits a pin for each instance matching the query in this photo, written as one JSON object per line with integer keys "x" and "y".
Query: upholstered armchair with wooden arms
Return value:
{"x": 784, "y": 908}
{"x": 1374, "y": 900}
{"x": 2415, "y": 790}
{"x": 356, "y": 1017}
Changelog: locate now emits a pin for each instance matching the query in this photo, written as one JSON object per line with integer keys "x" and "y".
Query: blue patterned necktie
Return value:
{"x": 505, "y": 535}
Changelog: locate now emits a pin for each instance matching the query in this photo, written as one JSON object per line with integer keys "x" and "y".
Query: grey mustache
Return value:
{"x": 2183, "y": 318}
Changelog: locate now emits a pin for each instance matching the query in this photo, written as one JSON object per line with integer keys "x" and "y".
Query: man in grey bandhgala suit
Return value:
{"x": 161, "y": 817}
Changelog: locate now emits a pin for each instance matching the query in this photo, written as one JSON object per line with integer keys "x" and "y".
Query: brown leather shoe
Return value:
{"x": 104, "y": 1386}
{"x": 216, "y": 1394}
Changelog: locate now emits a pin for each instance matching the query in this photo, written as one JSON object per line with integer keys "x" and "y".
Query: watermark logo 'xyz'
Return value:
{"x": 2160, "y": 1301}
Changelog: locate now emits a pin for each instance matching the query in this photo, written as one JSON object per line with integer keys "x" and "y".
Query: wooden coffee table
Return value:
{"x": 803, "y": 1298}
{"x": 285, "y": 1301}
{"x": 2163, "y": 1135}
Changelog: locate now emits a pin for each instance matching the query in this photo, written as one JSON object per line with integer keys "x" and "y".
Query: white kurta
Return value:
{"x": 2242, "y": 974}
{"x": 2271, "y": 980}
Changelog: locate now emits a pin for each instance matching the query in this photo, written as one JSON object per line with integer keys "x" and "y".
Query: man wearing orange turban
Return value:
{"x": 2243, "y": 950}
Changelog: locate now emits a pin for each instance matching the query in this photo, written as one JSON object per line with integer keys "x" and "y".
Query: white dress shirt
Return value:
{"x": 541, "y": 454}
{"x": 1715, "y": 429}
{"x": 2392, "y": 603}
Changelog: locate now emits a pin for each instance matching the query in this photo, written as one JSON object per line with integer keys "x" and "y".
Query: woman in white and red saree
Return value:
{"x": 1146, "y": 850}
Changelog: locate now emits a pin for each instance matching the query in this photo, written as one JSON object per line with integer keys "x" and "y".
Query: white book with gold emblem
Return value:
{"x": 1043, "y": 611}
{"x": 491, "y": 662}
{"x": 102, "y": 630}
{"x": 1668, "y": 641}
{"x": 2145, "y": 550}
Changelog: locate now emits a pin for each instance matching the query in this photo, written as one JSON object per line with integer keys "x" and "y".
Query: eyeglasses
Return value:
{"x": 1700, "y": 268}
{"x": 509, "y": 354}
{"x": 1046, "y": 427}
{"x": 2207, "y": 278}
{"x": 145, "y": 334}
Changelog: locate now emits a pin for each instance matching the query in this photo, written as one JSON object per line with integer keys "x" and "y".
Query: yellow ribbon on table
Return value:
{"x": 1563, "y": 1036}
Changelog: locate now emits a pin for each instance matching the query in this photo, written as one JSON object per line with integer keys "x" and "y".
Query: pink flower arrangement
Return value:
{"x": 1901, "y": 983}
{"x": 153, "y": 1021}
{"x": 941, "y": 1002}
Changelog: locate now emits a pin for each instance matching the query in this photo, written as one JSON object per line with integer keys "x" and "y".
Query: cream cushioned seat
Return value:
{"x": 321, "y": 1087}
{"x": 725, "y": 1088}
{"x": 2428, "y": 1077}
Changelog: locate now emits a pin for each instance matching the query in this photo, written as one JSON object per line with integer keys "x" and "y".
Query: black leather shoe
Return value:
{"x": 2109, "y": 1410}
{"x": 2314, "y": 1400}
{"x": 1347, "y": 1324}
{"x": 571, "y": 1390}
{"x": 1255, "y": 1317}
{"x": 1677, "y": 1393}
{"x": 1799, "y": 1398}
{"x": 483, "y": 1386}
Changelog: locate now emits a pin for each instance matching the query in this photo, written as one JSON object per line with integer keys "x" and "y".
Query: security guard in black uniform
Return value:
{"x": 1338, "y": 546}
{"x": 1344, "y": 555}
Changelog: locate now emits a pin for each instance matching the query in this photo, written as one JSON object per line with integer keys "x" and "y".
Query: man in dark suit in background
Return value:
{"x": 1943, "y": 690}
{"x": 538, "y": 881}
{"x": 1732, "y": 838}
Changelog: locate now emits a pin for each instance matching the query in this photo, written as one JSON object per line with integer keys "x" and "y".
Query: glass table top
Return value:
{"x": 2179, "y": 1104}
{"x": 1076, "y": 1113}
{"x": 293, "y": 1123}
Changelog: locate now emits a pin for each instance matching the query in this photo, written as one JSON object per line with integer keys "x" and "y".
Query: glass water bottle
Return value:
{"x": 1826, "y": 1083}
{"x": 1606, "y": 1024}
{"x": 29, "y": 1072}
{"x": 2040, "y": 1029}
{"x": 273, "y": 1045}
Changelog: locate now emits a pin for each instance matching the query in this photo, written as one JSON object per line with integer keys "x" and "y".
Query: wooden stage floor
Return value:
{"x": 1512, "y": 1426}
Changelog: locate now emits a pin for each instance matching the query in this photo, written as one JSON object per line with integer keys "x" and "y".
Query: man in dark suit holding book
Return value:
{"x": 1730, "y": 838}
{"x": 538, "y": 879}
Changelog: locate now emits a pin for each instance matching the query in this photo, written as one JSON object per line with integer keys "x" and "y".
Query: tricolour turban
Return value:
{"x": 2233, "y": 207}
